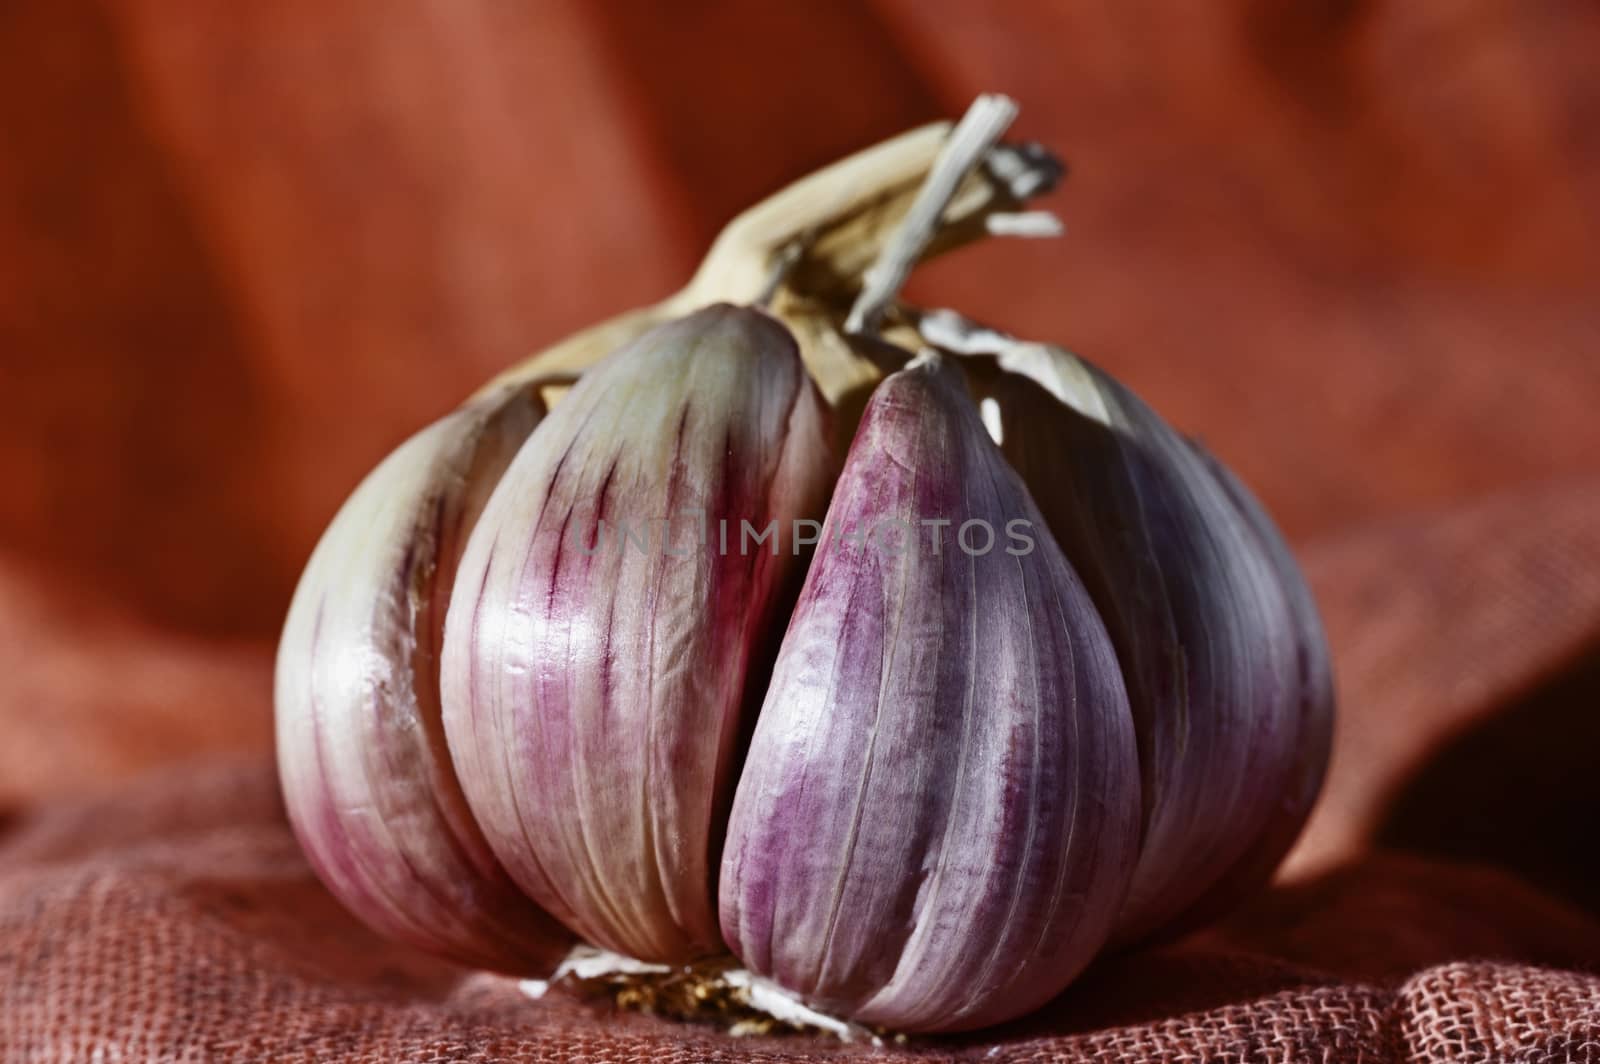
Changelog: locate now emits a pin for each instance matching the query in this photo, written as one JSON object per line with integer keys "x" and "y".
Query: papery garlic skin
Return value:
{"x": 594, "y": 690}
{"x": 367, "y": 779}
{"x": 938, "y": 815}
{"x": 1210, "y": 643}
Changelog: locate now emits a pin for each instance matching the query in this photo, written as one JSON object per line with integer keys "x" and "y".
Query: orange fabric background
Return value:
{"x": 247, "y": 248}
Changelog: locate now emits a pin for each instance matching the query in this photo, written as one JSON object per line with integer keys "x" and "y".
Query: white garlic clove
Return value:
{"x": 367, "y": 779}
{"x": 939, "y": 813}
{"x": 595, "y": 675}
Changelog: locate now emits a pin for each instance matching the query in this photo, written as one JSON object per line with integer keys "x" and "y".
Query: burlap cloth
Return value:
{"x": 245, "y": 248}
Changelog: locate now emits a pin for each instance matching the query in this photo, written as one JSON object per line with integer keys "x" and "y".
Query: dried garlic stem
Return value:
{"x": 924, "y": 192}
{"x": 977, "y": 133}
{"x": 783, "y": 265}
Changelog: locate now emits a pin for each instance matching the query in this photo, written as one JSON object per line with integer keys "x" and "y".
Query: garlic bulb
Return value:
{"x": 939, "y": 814}
{"x": 1052, "y": 680}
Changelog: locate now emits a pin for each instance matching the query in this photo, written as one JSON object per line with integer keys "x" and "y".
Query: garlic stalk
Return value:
{"x": 835, "y": 225}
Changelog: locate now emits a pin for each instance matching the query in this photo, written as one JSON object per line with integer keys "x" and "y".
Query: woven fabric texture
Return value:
{"x": 247, "y": 248}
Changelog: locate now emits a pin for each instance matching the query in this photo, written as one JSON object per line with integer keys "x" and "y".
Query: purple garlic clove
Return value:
{"x": 607, "y": 614}
{"x": 939, "y": 813}
{"x": 366, "y": 775}
{"x": 1312, "y": 740}
{"x": 1212, "y": 626}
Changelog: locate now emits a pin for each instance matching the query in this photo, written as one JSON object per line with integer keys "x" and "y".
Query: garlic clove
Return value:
{"x": 1199, "y": 610}
{"x": 1312, "y": 726}
{"x": 367, "y": 779}
{"x": 939, "y": 813}
{"x": 595, "y": 675}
